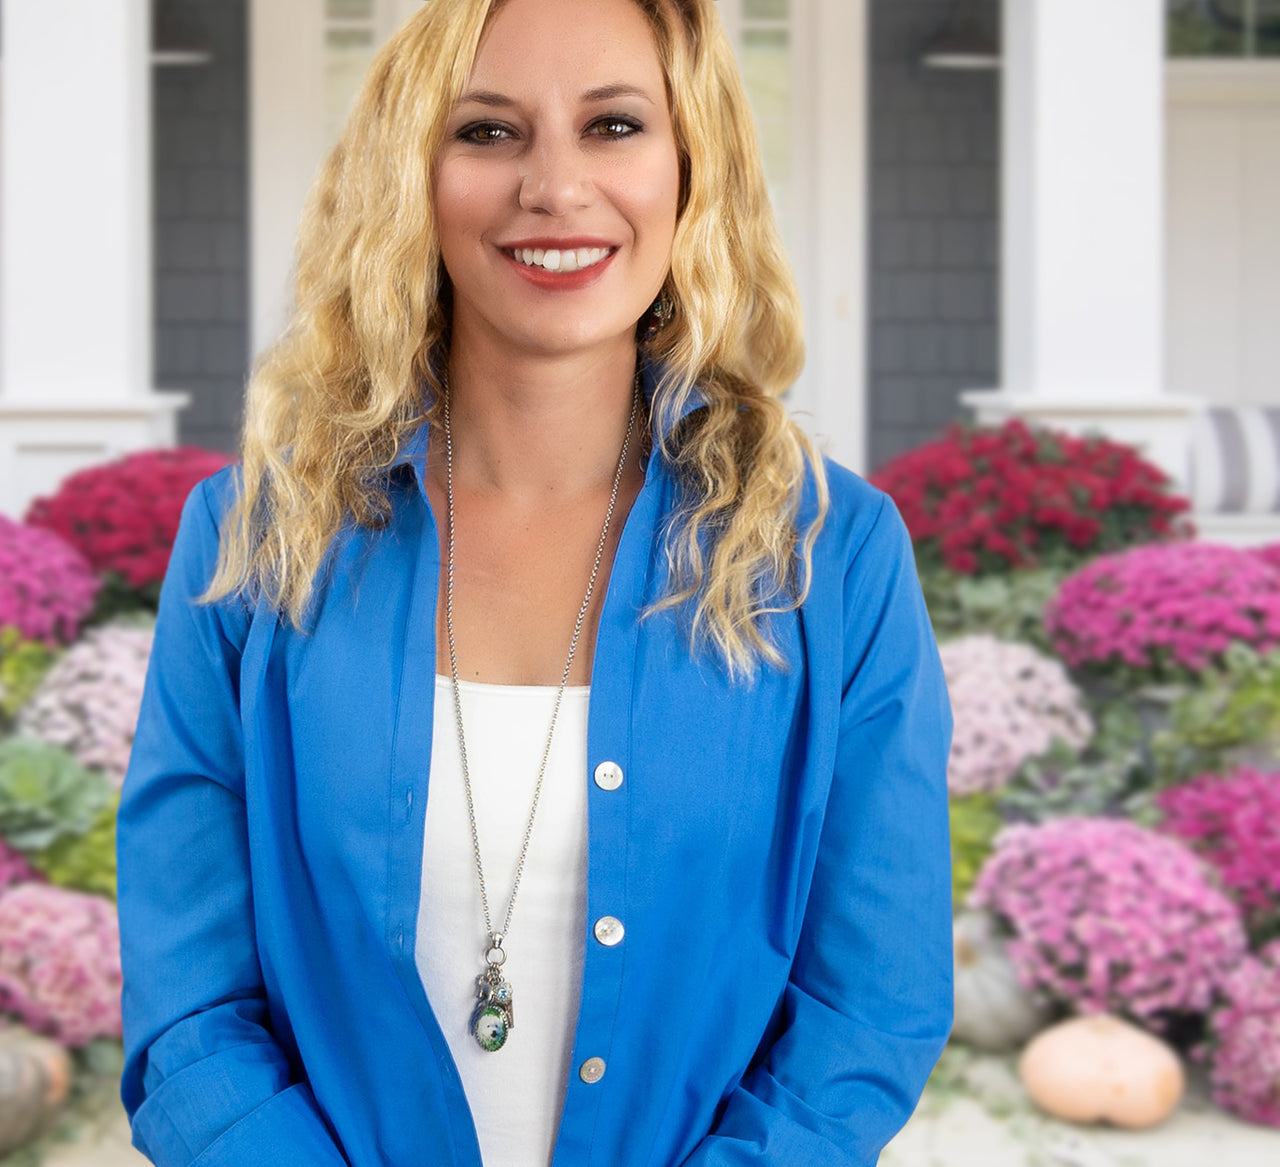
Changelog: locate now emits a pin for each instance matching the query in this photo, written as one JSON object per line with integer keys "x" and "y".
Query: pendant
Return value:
{"x": 494, "y": 1015}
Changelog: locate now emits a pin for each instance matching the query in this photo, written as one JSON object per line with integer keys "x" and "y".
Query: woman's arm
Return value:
{"x": 868, "y": 1005}
{"x": 205, "y": 1081}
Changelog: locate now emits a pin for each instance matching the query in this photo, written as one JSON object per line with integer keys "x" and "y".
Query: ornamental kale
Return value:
{"x": 45, "y": 794}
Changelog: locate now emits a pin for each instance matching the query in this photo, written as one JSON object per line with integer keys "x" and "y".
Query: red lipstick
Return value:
{"x": 559, "y": 281}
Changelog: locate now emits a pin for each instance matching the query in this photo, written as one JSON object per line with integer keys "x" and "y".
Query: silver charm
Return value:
{"x": 494, "y": 1015}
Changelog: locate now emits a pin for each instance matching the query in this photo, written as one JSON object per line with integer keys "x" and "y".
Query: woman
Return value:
{"x": 652, "y": 866}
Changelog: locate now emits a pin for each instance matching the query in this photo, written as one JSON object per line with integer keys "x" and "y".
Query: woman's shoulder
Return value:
{"x": 861, "y": 519}
{"x": 219, "y": 490}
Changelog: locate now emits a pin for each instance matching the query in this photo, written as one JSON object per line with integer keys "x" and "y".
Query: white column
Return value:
{"x": 1082, "y": 312}
{"x": 75, "y": 281}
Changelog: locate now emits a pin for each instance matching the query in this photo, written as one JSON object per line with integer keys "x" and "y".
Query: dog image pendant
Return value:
{"x": 493, "y": 1017}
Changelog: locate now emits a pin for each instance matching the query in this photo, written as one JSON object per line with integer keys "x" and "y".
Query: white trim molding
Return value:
{"x": 838, "y": 312}
{"x": 1082, "y": 310}
{"x": 76, "y": 375}
{"x": 41, "y": 443}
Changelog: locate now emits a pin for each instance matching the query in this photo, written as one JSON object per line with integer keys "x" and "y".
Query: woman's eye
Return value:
{"x": 615, "y": 127}
{"x": 483, "y": 132}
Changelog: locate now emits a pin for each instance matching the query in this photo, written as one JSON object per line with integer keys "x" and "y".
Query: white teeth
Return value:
{"x": 565, "y": 261}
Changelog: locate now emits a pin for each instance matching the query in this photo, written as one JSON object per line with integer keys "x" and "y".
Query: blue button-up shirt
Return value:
{"x": 777, "y": 852}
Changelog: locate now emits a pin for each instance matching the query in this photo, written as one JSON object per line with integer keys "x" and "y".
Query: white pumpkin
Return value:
{"x": 1102, "y": 1069}
{"x": 993, "y": 1012}
{"x": 35, "y": 1078}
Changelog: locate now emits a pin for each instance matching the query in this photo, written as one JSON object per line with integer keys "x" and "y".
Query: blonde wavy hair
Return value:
{"x": 331, "y": 401}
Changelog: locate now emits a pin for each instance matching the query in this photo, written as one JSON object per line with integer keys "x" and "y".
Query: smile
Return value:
{"x": 568, "y": 260}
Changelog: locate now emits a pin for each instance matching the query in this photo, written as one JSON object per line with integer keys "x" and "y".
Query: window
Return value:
{"x": 765, "y": 58}
{"x": 1224, "y": 28}
{"x": 351, "y": 39}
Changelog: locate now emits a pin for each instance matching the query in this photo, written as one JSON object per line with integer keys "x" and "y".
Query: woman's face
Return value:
{"x": 557, "y": 185}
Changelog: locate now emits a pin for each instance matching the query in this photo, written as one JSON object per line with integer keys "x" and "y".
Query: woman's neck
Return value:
{"x": 536, "y": 427}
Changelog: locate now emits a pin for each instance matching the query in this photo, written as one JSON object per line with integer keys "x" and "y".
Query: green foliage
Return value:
{"x": 23, "y": 664}
{"x": 1231, "y": 718}
{"x": 85, "y": 862}
{"x": 120, "y": 602}
{"x": 974, "y": 823}
{"x": 1111, "y": 778}
{"x": 1008, "y": 605}
{"x": 1060, "y": 784}
{"x": 46, "y": 795}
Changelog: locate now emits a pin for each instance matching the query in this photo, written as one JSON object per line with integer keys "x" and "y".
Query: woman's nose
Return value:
{"x": 555, "y": 179}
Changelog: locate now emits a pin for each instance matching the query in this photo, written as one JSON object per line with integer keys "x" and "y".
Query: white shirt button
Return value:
{"x": 608, "y": 775}
{"x": 592, "y": 1070}
{"x": 609, "y": 930}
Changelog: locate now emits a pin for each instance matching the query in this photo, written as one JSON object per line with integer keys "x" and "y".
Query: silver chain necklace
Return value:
{"x": 493, "y": 1017}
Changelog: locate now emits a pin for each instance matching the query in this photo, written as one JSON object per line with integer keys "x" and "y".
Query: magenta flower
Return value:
{"x": 123, "y": 515}
{"x": 1108, "y": 916}
{"x": 1165, "y": 611}
{"x": 1244, "y": 1040}
{"x": 1234, "y": 823}
{"x": 46, "y": 586}
{"x": 14, "y": 867}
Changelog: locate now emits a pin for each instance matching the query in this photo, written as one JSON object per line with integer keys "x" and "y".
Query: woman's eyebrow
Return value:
{"x": 609, "y": 92}
{"x": 603, "y": 93}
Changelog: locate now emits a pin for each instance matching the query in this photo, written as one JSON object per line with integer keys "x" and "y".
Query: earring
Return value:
{"x": 661, "y": 312}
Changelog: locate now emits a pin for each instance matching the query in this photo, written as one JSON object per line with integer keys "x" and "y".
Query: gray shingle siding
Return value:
{"x": 934, "y": 236}
{"x": 202, "y": 214}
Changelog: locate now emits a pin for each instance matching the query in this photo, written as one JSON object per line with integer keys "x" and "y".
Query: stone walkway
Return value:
{"x": 975, "y": 1114}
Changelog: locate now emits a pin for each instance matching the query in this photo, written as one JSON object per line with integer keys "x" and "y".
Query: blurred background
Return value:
{"x": 1052, "y": 221}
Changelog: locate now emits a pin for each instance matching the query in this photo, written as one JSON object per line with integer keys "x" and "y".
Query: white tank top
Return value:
{"x": 516, "y": 1093}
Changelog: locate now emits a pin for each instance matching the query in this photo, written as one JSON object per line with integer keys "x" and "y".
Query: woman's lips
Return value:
{"x": 551, "y": 276}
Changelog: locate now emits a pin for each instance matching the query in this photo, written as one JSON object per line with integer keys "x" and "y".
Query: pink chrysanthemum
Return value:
{"x": 1108, "y": 916}
{"x": 1165, "y": 610}
{"x": 88, "y": 702}
{"x": 1234, "y": 823}
{"x": 1244, "y": 1040}
{"x": 46, "y": 587}
{"x": 60, "y": 962}
{"x": 1009, "y": 704}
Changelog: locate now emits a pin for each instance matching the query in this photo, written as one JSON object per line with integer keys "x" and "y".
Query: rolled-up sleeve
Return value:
{"x": 869, "y": 1002}
{"x": 205, "y": 1081}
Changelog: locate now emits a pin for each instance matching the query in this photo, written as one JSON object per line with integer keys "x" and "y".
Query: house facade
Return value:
{"x": 1060, "y": 209}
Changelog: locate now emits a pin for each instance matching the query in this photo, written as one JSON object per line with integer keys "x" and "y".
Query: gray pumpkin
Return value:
{"x": 35, "y": 1078}
{"x": 993, "y": 1012}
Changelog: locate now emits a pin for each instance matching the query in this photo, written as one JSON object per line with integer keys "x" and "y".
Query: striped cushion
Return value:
{"x": 1235, "y": 460}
